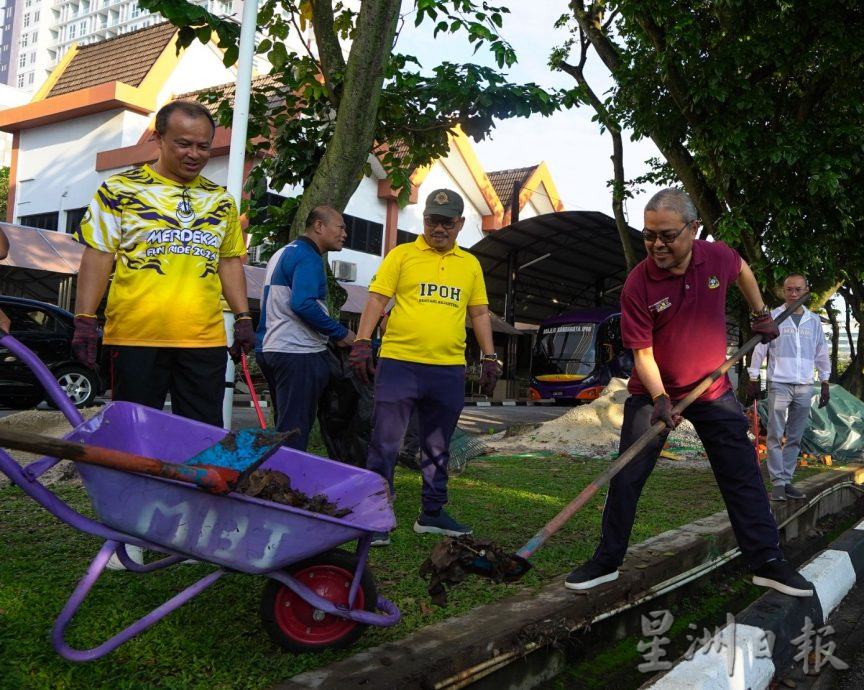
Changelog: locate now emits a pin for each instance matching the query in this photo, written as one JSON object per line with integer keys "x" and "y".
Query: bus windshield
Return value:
{"x": 565, "y": 350}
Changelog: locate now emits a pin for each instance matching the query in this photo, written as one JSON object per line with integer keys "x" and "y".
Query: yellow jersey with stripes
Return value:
{"x": 432, "y": 293}
{"x": 168, "y": 239}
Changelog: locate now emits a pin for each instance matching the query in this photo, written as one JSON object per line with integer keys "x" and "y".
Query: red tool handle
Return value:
{"x": 216, "y": 480}
{"x": 248, "y": 379}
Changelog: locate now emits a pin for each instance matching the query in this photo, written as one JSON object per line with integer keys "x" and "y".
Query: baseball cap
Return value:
{"x": 444, "y": 202}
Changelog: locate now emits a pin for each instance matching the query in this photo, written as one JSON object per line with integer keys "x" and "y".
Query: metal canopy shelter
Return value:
{"x": 542, "y": 266}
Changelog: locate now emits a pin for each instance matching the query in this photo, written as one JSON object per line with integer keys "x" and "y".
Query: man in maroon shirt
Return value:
{"x": 673, "y": 316}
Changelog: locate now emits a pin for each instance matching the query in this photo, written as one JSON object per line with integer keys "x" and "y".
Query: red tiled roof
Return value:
{"x": 127, "y": 58}
{"x": 503, "y": 180}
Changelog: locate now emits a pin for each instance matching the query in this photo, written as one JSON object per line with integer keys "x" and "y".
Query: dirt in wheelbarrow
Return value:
{"x": 275, "y": 486}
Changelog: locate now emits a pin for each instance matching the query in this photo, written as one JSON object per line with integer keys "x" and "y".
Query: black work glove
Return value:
{"x": 824, "y": 395}
{"x": 490, "y": 372}
{"x": 85, "y": 340}
{"x": 754, "y": 390}
{"x": 663, "y": 412}
{"x": 361, "y": 362}
{"x": 244, "y": 338}
{"x": 764, "y": 325}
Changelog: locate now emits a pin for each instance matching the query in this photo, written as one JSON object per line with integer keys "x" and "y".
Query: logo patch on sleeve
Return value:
{"x": 713, "y": 283}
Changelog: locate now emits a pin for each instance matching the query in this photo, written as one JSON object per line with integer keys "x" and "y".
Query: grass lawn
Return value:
{"x": 216, "y": 641}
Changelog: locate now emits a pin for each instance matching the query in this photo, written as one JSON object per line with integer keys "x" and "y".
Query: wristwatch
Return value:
{"x": 762, "y": 312}
{"x": 491, "y": 357}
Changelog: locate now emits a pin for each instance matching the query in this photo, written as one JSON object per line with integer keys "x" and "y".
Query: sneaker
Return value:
{"x": 136, "y": 553}
{"x": 792, "y": 492}
{"x": 780, "y": 575}
{"x": 590, "y": 574}
{"x": 440, "y": 524}
{"x": 380, "y": 539}
{"x": 778, "y": 493}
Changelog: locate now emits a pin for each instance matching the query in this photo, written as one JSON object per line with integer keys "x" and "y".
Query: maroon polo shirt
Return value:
{"x": 682, "y": 317}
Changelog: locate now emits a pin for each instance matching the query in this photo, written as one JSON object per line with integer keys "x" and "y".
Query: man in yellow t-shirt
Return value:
{"x": 178, "y": 246}
{"x": 422, "y": 362}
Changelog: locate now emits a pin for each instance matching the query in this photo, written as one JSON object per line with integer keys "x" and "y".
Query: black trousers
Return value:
{"x": 722, "y": 428}
{"x": 195, "y": 378}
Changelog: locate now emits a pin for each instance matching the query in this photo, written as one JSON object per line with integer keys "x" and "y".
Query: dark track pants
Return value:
{"x": 195, "y": 377}
{"x": 722, "y": 427}
{"x": 438, "y": 393}
{"x": 296, "y": 381}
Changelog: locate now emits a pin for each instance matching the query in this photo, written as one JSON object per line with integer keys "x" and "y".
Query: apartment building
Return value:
{"x": 36, "y": 34}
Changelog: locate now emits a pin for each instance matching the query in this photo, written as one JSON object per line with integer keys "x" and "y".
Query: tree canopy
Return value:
{"x": 757, "y": 109}
{"x": 352, "y": 94}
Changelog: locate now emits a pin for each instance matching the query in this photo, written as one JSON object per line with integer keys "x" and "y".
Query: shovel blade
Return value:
{"x": 510, "y": 570}
{"x": 241, "y": 451}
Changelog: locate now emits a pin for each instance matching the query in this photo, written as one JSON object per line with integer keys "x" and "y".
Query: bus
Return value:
{"x": 576, "y": 354}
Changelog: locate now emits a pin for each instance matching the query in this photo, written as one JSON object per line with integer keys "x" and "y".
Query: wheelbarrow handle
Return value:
{"x": 588, "y": 492}
{"x": 216, "y": 480}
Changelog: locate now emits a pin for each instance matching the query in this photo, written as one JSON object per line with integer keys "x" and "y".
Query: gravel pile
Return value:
{"x": 593, "y": 430}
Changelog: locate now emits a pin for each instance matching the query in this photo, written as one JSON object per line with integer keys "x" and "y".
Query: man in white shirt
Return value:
{"x": 792, "y": 358}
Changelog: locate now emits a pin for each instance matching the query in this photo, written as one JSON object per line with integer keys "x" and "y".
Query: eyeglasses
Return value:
{"x": 794, "y": 289}
{"x": 432, "y": 223}
{"x": 667, "y": 237}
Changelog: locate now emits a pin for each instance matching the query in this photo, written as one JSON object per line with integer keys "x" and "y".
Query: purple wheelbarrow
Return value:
{"x": 316, "y": 597}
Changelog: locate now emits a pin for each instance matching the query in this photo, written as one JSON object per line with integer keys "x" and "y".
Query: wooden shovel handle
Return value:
{"x": 212, "y": 479}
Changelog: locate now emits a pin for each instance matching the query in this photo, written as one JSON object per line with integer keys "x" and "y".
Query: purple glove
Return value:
{"x": 825, "y": 395}
{"x": 663, "y": 412}
{"x": 754, "y": 390}
{"x": 360, "y": 361}
{"x": 244, "y": 338}
{"x": 85, "y": 340}
{"x": 764, "y": 325}
{"x": 489, "y": 374}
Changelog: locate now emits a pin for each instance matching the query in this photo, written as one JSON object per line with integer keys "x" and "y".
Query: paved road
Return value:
{"x": 477, "y": 420}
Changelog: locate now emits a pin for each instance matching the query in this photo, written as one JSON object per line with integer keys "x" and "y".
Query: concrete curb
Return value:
{"x": 505, "y": 403}
{"x": 833, "y": 573}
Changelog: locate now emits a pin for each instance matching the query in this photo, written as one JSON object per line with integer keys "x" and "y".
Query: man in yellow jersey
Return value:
{"x": 177, "y": 242}
{"x": 422, "y": 362}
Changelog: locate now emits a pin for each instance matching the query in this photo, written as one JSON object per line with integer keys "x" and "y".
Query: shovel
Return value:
{"x": 217, "y": 469}
{"x": 517, "y": 564}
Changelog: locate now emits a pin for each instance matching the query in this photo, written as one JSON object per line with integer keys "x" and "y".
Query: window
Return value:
{"x": 25, "y": 38}
{"x": 363, "y": 235}
{"x": 73, "y": 219}
{"x": 30, "y": 320}
{"x": 30, "y": 78}
{"x": 22, "y": 60}
{"x": 44, "y": 221}
{"x": 26, "y": 21}
{"x": 404, "y": 237}
{"x": 72, "y": 31}
{"x": 32, "y": 57}
{"x": 20, "y": 81}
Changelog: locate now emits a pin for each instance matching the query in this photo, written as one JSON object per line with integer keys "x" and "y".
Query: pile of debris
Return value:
{"x": 594, "y": 430}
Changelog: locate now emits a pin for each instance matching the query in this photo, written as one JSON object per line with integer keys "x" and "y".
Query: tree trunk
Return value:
{"x": 341, "y": 169}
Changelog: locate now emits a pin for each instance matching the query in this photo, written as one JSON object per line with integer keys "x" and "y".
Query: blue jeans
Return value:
{"x": 722, "y": 428}
{"x": 788, "y": 414}
{"x": 437, "y": 392}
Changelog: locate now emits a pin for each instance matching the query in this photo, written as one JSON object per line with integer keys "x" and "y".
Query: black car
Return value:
{"x": 47, "y": 330}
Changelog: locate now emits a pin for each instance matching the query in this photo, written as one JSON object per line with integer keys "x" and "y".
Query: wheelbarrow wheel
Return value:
{"x": 298, "y": 626}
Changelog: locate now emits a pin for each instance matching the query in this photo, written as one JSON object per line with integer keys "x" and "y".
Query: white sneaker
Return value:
{"x": 136, "y": 553}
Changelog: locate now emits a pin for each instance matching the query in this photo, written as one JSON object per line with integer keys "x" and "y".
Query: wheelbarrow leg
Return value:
{"x": 362, "y": 554}
{"x": 83, "y": 589}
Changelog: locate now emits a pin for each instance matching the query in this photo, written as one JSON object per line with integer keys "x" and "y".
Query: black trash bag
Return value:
{"x": 345, "y": 412}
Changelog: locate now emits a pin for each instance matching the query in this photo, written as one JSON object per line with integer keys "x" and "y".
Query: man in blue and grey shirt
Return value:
{"x": 295, "y": 325}
{"x": 792, "y": 357}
